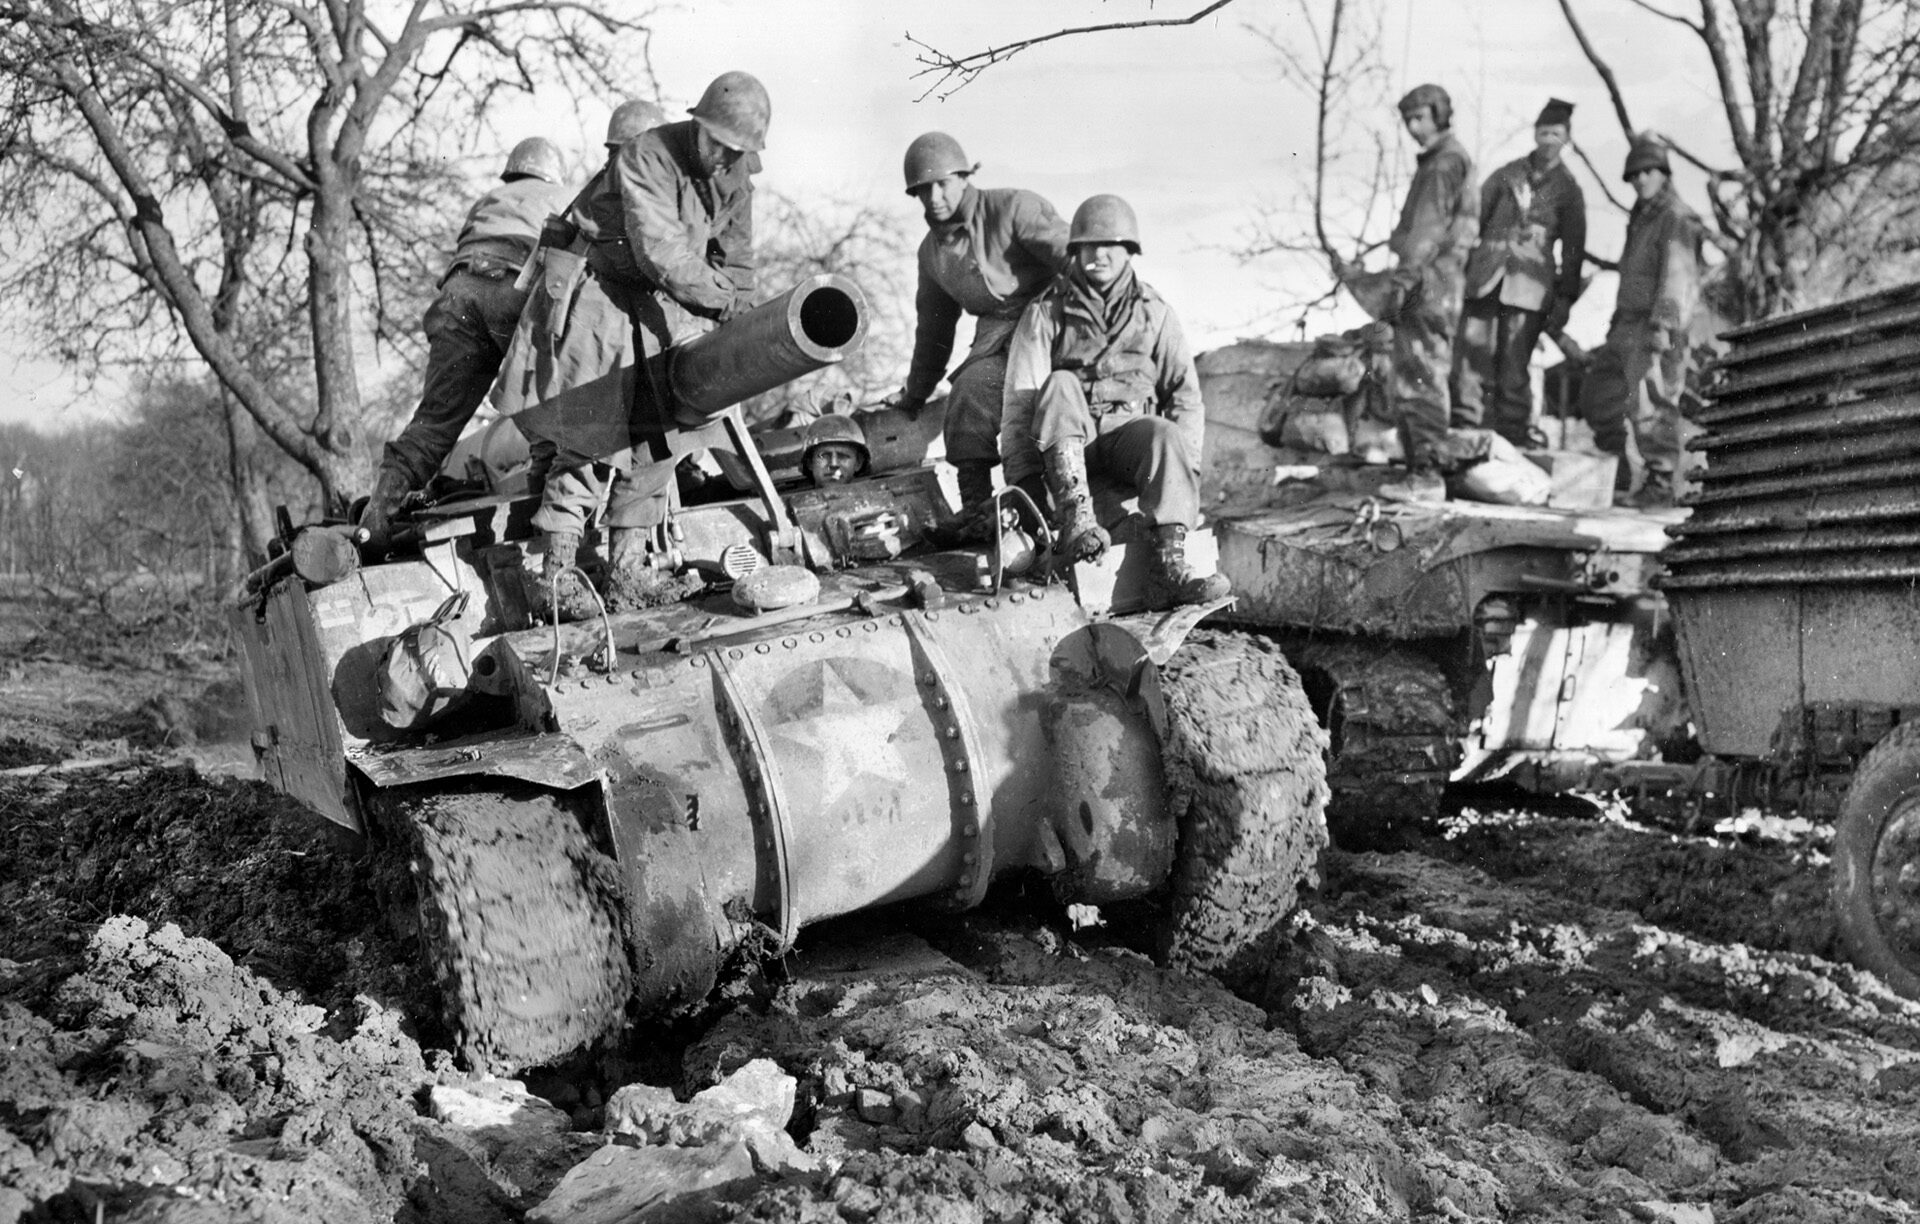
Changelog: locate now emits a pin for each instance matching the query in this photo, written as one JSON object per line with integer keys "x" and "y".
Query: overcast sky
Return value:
{"x": 1191, "y": 124}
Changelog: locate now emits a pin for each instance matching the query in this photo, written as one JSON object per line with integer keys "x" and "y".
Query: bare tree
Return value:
{"x": 267, "y": 177}
{"x": 1338, "y": 65}
{"x": 1821, "y": 105}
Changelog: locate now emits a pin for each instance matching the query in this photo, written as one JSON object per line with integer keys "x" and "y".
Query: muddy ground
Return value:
{"x": 204, "y": 1017}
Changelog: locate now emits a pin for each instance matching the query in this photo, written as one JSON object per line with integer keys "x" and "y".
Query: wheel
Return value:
{"x": 1876, "y": 862}
{"x": 520, "y": 920}
{"x": 1392, "y": 734}
{"x": 1245, "y": 767}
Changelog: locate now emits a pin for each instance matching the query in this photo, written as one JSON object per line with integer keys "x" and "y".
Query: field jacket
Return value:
{"x": 1660, "y": 264}
{"x": 1152, "y": 341}
{"x": 1524, "y": 212}
{"x": 1000, "y": 250}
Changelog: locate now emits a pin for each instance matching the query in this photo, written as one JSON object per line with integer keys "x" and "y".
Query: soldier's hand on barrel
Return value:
{"x": 1661, "y": 340}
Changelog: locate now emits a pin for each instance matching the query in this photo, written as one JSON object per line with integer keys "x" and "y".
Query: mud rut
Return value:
{"x": 1538, "y": 1019}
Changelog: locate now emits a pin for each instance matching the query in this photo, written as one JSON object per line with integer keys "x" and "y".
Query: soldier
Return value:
{"x": 1099, "y": 378}
{"x": 669, "y": 246}
{"x": 1514, "y": 291}
{"x": 1638, "y": 375}
{"x": 835, "y": 449}
{"x": 1438, "y": 223}
{"x": 470, "y": 324}
{"x": 988, "y": 252}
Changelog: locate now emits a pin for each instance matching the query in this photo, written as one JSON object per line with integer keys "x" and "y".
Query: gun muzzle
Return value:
{"x": 815, "y": 324}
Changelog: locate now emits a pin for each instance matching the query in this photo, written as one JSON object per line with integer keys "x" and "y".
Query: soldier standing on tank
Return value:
{"x": 470, "y": 323}
{"x": 1638, "y": 375}
{"x": 670, "y": 245}
{"x": 988, "y": 252}
{"x": 572, "y": 338}
{"x": 1099, "y": 377}
{"x": 1437, "y": 227}
{"x": 1514, "y": 291}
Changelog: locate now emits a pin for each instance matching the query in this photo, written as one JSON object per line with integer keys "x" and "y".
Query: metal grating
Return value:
{"x": 1813, "y": 453}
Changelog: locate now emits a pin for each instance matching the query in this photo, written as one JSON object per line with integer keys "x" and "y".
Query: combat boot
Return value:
{"x": 1079, "y": 535}
{"x": 633, "y": 581}
{"x": 1655, "y": 492}
{"x": 561, "y": 591}
{"x": 390, "y": 488}
{"x": 1170, "y": 582}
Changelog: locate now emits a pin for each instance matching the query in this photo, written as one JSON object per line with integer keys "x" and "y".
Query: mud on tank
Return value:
{"x": 1462, "y": 641}
{"x": 606, "y": 811}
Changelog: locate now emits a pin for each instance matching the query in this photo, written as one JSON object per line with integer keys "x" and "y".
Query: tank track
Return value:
{"x": 521, "y": 921}
{"x": 1395, "y": 739}
{"x": 1245, "y": 768}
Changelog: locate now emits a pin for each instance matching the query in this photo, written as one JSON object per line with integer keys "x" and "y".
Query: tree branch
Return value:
{"x": 965, "y": 68}
{"x": 1600, "y": 66}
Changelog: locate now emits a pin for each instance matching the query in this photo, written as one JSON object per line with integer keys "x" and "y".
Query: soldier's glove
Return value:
{"x": 909, "y": 404}
{"x": 1661, "y": 340}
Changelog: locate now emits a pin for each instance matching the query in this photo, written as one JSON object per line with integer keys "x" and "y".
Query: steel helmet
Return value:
{"x": 735, "y": 111}
{"x": 632, "y": 118}
{"x": 834, "y": 427}
{"x": 534, "y": 157}
{"x": 1105, "y": 218}
{"x": 1430, "y": 96}
{"x": 1647, "y": 152}
{"x": 932, "y": 157}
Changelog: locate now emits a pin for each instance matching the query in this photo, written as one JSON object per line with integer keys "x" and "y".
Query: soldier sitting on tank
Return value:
{"x": 836, "y": 450}
{"x": 1099, "y": 378}
{"x": 470, "y": 324}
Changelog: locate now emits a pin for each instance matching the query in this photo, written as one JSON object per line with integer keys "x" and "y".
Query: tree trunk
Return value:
{"x": 330, "y": 309}
{"x": 253, "y": 514}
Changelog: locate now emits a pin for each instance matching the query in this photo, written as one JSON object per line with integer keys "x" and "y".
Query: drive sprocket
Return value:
{"x": 1245, "y": 768}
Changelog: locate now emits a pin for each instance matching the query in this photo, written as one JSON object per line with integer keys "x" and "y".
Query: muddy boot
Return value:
{"x": 634, "y": 582}
{"x": 975, "y": 524}
{"x": 390, "y": 488}
{"x": 561, "y": 590}
{"x": 1170, "y": 582}
{"x": 1080, "y": 536}
{"x": 1656, "y": 492}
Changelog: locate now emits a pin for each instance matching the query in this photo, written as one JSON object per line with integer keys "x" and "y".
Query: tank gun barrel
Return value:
{"x": 817, "y": 323}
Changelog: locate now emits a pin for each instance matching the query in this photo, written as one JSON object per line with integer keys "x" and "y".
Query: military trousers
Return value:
{"x": 1630, "y": 385}
{"x": 1423, "y": 364}
{"x": 1141, "y": 450}
{"x": 469, "y": 326}
{"x": 1492, "y": 353}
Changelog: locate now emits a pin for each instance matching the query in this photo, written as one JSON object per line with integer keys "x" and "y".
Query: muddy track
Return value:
{"x": 1531, "y": 1019}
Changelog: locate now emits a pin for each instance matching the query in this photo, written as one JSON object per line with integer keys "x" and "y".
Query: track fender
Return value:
{"x": 555, "y": 761}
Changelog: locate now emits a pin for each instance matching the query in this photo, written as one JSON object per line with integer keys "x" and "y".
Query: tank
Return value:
{"x": 1792, "y": 586}
{"x": 1457, "y": 642}
{"x": 600, "y": 817}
